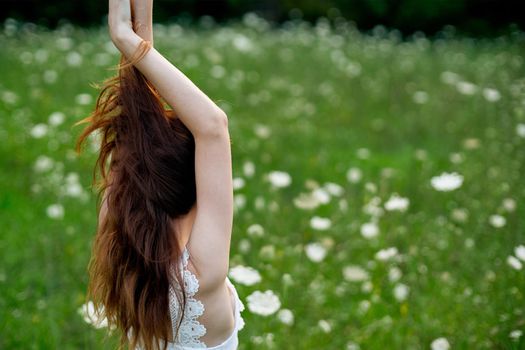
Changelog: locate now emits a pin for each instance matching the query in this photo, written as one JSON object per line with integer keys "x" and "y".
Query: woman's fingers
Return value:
{"x": 119, "y": 17}
{"x": 142, "y": 14}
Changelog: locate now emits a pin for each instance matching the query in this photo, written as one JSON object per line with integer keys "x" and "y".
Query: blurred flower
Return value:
{"x": 83, "y": 99}
{"x": 39, "y": 130}
{"x": 460, "y": 214}
{"x": 395, "y": 202}
{"x": 87, "y": 311}
{"x": 238, "y": 183}
{"x": 333, "y": 189}
{"x": 369, "y": 230}
{"x": 245, "y": 275}
{"x": 466, "y": 88}
{"x": 74, "y": 59}
{"x": 267, "y": 252}
{"x": 354, "y": 273}
{"x": 55, "y": 211}
{"x": 516, "y": 334}
{"x": 509, "y": 204}
{"x": 316, "y": 252}
{"x": 319, "y": 223}
{"x": 447, "y": 181}
{"x": 285, "y": 316}
{"x": 491, "y": 95}
{"x": 306, "y": 201}
{"x": 56, "y": 118}
{"x": 394, "y": 274}
{"x": 322, "y": 196}
{"x": 514, "y": 262}
{"x": 279, "y": 178}
{"x": 43, "y": 163}
{"x": 401, "y": 291}
{"x": 520, "y": 130}
{"x": 262, "y": 131}
{"x": 242, "y": 43}
{"x": 255, "y": 230}
{"x": 471, "y": 143}
{"x": 449, "y": 77}
{"x": 497, "y": 220}
{"x": 519, "y": 251}
{"x": 354, "y": 175}
{"x": 386, "y": 254}
{"x": 325, "y": 326}
{"x": 440, "y": 344}
{"x": 9, "y": 97}
{"x": 363, "y": 153}
{"x": 263, "y": 303}
{"x": 248, "y": 169}
{"x": 420, "y": 97}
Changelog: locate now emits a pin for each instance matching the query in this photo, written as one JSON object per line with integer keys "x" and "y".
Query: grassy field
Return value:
{"x": 336, "y": 137}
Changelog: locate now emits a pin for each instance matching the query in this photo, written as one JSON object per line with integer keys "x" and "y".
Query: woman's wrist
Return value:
{"x": 127, "y": 41}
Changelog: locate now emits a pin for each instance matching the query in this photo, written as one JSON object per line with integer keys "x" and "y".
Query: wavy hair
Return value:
{"x": 147, "y": 175}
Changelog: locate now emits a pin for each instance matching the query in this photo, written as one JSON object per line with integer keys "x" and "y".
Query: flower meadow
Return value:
{"x": 378, "y": 182}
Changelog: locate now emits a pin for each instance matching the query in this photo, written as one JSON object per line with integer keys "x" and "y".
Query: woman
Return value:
{"x": 165, "y": 218}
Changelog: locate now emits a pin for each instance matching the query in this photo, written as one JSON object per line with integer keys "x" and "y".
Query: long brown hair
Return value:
{"x": 150, "y": 180}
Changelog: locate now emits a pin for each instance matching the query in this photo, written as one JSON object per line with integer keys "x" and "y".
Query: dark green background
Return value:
{"x": 474, "y": 17}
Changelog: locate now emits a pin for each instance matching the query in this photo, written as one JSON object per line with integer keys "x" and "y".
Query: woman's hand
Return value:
{"x": 142, "y": 16}
{"x": 119, "y": 21}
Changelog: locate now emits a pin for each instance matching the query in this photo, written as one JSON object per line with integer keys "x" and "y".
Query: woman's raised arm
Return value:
{"x": 211, "y": 233}
{"x": 195, "y": 109}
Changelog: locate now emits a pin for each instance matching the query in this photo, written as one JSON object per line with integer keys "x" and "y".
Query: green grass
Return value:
{"x": 326, "y": 96}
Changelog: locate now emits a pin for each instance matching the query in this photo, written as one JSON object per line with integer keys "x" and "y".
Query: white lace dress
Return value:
{"x": 191, "y": 330}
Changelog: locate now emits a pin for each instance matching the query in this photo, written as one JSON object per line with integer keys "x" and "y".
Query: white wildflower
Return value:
{"x": 320, "y": 223}
{"x": 245, "y": 275}
{"x": 87, "y": 311}
{"x": 516, "y": 334}
{"x": 255, "y": 230}
{"x": 279, "y": 179}
{"x": 354, "y": 273}
{"x": 369, "y": 230}
{"x": 497, "y": 220}
{"x": 39, "y": 130}
{"x": 401, "y": 291}
{"x": 514, "y": 262}
{"x": 43, "y": 163}
{"x": 449, "y": 77}
{"x": 519, "y": 251}
{"x": 316, "y": 252}
{"x": 238, "y": 183}
{"x": 491, "y": 95}
{"x": 285, "y": 316}
{"x": 520, "y": 129}
{"x": 248, "y": 169}
{"x": 466, "y": 88}
{"x": 440, "y": 344}
{"x": 56, "y": 118}
{"x": 263, "y": 303}
{"x": 447, "y": 181}
{"x": 74, "y": 59}
{"x": 306, "y": 201}
{"x": 322, "y": 196}
{"x": 394, "y": 274}
{"x": 420, "y": 97}
{"x": 386, "y": 254}
{"x": 325, "y": 326}
{"x": 395, "y": 202}
{"x": 55, "y": 211}
{"x": 354, "y": 175}
{"x": 83, "y": 99}
{"x": 334, "y": 189}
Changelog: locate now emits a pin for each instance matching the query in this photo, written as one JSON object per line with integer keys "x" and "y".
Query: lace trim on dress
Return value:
{"x": 190, "y": 329}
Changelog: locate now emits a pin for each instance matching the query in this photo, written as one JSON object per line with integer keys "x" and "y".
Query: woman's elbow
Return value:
{"x": 216, "y": 125}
